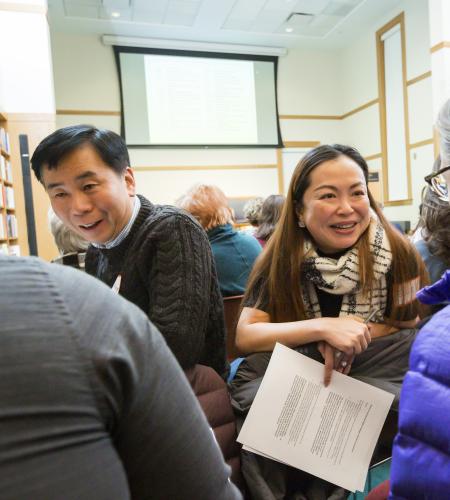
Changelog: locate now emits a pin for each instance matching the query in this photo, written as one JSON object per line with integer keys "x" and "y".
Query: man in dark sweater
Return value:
{"x": 158, "y": 257}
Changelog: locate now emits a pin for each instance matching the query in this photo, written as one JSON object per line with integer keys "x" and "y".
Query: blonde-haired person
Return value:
{"x": 252, "y": 212}
{"x": 332, "y": 261}
{"x": 234, "y": 252}
{"x": 72, "y": 247}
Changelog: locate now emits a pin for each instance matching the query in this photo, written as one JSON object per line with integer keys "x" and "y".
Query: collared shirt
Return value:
{"x": 124, "y": 233}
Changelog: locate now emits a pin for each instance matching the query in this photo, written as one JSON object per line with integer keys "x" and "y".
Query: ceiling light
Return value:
{"x": 289, "y": 30}
{"x": 115, "y": 14}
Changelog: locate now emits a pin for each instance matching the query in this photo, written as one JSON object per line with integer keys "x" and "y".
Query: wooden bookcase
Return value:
{"x": 9, "y": 238}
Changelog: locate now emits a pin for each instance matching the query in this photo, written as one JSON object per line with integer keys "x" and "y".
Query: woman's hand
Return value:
{"x": 347, "y": 334}
{"x": 334, "y": 360}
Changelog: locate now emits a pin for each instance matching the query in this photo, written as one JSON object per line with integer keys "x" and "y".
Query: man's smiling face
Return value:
{"x": 89, "y": 196}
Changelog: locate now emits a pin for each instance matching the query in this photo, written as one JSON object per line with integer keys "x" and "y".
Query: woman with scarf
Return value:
{"x": 332, "y": 262}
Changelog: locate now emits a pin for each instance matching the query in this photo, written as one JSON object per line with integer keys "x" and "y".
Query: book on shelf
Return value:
{"x": 4, "y": 139}
{"x": 11, "y": 225}
{"x": 9, "y": 192}
{"x": 8, "y": 172}
{"x": 2, "y": 198}
{"x": 2, "y": 167}
{"x": 4, "y": 249}
{"x": 2, "y": 227}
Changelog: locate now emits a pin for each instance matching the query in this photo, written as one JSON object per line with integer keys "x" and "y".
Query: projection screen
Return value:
{"x": 197, "y": 99}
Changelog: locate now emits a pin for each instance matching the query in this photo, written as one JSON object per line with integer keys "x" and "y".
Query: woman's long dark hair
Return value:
{"x": 277, "y": 272}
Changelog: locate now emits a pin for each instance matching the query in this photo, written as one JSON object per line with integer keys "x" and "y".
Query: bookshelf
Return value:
{"x": 9, "y": 242}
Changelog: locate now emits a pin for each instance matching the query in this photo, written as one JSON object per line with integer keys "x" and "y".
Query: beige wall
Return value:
{"x": 27, "y": 97}
{"x": 310, "y": 82}
{"x": 360, "y": 84}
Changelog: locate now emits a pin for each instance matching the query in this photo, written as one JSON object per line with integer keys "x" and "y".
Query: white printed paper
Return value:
{"x": 330, "y": 432}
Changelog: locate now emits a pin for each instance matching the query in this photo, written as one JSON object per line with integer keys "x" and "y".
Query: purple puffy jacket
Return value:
{"x": 421, "y": 454}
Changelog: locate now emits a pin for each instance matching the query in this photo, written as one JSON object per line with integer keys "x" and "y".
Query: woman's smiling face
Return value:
{"x": 335, "y": 207}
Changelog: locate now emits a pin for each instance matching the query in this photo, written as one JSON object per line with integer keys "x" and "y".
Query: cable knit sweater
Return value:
{"x": 167, "y": 269}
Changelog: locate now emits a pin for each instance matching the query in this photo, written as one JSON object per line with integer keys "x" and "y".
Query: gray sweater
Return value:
{"x": 92, "y": 403}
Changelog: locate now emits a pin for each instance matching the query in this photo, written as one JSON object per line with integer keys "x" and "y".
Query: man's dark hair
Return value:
{"x": 109, "y": 146}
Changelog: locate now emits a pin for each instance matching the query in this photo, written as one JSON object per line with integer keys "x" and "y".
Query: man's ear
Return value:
{"x": 129, "y": 181}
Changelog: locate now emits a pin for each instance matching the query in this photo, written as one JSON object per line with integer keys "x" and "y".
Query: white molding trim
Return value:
{"x": 159, "y": 43}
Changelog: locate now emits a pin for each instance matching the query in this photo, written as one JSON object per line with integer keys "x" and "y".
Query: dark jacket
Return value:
{"x": 167, "y": 269}
{"x": 234, "y": 254}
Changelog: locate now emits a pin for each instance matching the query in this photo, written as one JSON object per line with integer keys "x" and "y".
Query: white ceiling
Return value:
{"x": 273, "y": 23}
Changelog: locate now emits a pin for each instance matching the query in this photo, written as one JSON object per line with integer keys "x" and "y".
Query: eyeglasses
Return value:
{"x": 437, "y": 183}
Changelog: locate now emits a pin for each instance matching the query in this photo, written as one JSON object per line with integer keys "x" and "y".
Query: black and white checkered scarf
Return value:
{"x": 341, "y": 277}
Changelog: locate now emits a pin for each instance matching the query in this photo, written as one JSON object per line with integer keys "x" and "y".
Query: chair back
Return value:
{"x": 231, "y": 307}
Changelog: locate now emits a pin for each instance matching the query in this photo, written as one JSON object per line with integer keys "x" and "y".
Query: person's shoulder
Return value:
{"x": 21, "y": 264}
{"x": 65, "y": 281}
{"x": 247, "y": 236}
{"x": 29, "y": 266}
{"x": 435, "y": 332}
{"x": 420, "y": 245}
{"x": 249, "y": 240}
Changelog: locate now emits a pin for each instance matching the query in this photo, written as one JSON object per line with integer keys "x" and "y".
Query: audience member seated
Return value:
{"x": 156, "y": 256}
{"x": 421, "y": 455}
{"x": 93, "y": 404}
{"x": 234, "y": 252}
{"x": 270, "y": 213}
{"x": 71, "y": 246}
{"x": 434, "y": 242}
{"x": 332, "y": 261}
{"x": 252, "y": 212}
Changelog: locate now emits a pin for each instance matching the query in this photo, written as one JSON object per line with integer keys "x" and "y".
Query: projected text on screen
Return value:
{"x": 194, "y": 100}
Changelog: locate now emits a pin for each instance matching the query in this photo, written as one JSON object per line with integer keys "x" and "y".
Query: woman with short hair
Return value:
{"x": 268, "y": 217}
{"x": 234, "y": 252}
